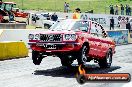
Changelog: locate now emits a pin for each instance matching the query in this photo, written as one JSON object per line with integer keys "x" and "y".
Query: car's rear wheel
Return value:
{"x": 82, "y": 57}
{"x": 106, "y": 62}
{"x": 36, "y": 57}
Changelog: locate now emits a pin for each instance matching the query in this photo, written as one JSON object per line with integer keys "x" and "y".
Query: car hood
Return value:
{"x": 57, "y": 32}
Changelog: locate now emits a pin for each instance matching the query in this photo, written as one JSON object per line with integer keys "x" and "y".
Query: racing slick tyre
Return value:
{"x": 106, "y": 62}
{"x": 82, "y": 57}
{"x": 36, "y": 57}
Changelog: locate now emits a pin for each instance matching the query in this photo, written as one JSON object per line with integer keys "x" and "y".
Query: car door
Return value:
{"x": 94, "y": 41}
{"x": 104, "y": 43}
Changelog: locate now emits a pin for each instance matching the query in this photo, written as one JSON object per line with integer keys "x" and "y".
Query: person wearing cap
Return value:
{"x": 76, "y": 14}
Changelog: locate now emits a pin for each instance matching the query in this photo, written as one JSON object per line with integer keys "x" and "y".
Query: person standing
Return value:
{"x": 111, "y": 9}
{"x": 122, "y": 9}
{"x": 48, "y": 16}
{"x": 65, "y": 7}
{"x": 128, "y": 26}
{"x": 76, "y": 14}
{"x": 127, "y": 10}
{"x": 116, "y": 10}
{"x": 112, "y": 23}
{"x": 54, "y": 17}
{"x": 123, "y": 23}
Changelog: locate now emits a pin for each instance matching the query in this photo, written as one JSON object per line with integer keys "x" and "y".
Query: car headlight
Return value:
{"x": 67, "y": 37}
{"x": 73, "y": 36}
{"x": 70, "y": 37}
{"x": 31, "y": 36}
{"x": 34, "y": 37}
{"x": 37, "y": 36}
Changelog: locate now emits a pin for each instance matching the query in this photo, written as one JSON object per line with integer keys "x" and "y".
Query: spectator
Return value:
{"x": 129, "y": 10}
{"x": 54, "y": 17}
{"x": 112, "y": 23}
{"x": 122, "y": 9}
{"x": 110, "y": 9}
{"x": 128, "y": 26}
{"x": 48, "y": 16}
{"x": 76, "y": 14}
{"x": 116, "y": 10}
{"x": 65, "y": 7}
{"x": 119, "y": 19}
{"x": 123, "y": 23}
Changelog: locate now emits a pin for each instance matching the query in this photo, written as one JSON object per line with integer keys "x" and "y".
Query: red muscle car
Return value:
{"x": 73, "y": 39}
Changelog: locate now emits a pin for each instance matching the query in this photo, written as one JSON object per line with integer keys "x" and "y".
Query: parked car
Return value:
{"x": 44, "y": 20}
{"x": 73, "y": 39}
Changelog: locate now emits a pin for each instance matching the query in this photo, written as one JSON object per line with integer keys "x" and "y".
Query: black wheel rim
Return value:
{"x": 109, "y": 61}
{"x": 84, "y": 54}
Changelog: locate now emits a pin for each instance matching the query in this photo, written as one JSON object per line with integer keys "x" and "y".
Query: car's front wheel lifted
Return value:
{"x": 82, "y": 57}
{"x": 36, "y": 57}
{"x": 106, "y": 62}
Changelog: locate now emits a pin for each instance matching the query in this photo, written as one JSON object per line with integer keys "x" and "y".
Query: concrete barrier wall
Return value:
{"x": 12, "y": 25}
{"x": 18, "y": 35}
{"x": 9, "y": 50}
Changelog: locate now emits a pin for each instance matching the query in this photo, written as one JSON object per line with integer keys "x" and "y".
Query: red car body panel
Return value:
{"x": 98, "y": 46}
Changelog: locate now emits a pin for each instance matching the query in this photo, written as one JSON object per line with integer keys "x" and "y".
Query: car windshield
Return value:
{"x": 63, "y": 25}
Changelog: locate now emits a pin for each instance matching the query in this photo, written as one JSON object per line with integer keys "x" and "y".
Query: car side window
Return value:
{"x": 97, "y": 30}
{"x": 80, "y": 25}
{"x": 94, "y": 29}
{"x": 100, "y": 31}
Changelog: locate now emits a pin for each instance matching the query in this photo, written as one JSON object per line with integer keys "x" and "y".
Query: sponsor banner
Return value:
{"x": 109, "y": 77}
{"x": 119, "y": 36}
{"x": 103, "y": 19}
{"x": 100, "y": 18}
{"x": 83, "y": 77}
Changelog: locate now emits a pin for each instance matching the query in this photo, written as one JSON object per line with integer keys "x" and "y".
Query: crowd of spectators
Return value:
{"x": 114, "y": 10}
{"x": 123, "y": 23}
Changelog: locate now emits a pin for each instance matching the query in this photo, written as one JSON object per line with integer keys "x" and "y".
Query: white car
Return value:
{"x": 41, "y": 20}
